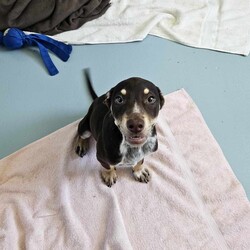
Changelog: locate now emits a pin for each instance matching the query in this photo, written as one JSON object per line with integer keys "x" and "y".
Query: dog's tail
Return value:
{"x": 89, "y": 84}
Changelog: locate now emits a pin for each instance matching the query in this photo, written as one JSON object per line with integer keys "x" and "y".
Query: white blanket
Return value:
{"x": 53, "y": 199}
{"x": 222, "y": 25}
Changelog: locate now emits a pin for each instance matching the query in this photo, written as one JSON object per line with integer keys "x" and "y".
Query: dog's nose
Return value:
{"x": 135, "y": 125}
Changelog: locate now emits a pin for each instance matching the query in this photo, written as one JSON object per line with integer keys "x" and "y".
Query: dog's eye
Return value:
{"x": 119, "y": 99}
{"x": 151, "y": 100}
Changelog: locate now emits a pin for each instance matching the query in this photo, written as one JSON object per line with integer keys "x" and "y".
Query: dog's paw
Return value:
{"x": 109, "y": 176}
{"x": 82, "y": 146}
{"x": 142, "y": 175}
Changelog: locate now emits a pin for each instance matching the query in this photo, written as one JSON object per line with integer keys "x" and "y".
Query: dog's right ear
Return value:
{"x": 107, "y": 100}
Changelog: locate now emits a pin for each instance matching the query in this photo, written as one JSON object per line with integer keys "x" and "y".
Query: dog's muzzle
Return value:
{"x": 135, "y": 126}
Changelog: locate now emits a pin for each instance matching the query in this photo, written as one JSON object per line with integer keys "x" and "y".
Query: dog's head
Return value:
{"x": 135, "y": 105}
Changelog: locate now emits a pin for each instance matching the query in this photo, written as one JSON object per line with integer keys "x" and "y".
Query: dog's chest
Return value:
{"x": 132, "y": 155}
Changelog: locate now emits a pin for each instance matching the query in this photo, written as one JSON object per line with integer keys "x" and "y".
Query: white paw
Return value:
{"x": 109, "y": 176}
{"x": 142, "y": 175}
{"x": 82, "y": 146}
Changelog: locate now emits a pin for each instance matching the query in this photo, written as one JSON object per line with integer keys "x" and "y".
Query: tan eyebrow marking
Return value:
{"x": 146, "y": 91}
{"x": 123, "y": 91}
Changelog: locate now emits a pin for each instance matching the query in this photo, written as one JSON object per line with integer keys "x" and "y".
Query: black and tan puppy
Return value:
{"x": 122, "y": 122}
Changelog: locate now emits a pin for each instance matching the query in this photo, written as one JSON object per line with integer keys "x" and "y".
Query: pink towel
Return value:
{"x": 53, "y": 199}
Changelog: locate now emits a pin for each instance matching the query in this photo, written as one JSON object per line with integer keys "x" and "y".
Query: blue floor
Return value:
{"x": 34, "y": 104}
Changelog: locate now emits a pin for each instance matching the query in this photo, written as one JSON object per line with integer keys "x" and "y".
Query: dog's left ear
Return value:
{"x": 162, "y": 100}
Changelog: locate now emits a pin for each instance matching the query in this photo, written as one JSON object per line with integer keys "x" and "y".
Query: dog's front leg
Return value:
{"x": 82, "y": 141}
{"x": 82, "y": 144}
{"x": 141, "y": 173}
{"x": 109, "y": 175}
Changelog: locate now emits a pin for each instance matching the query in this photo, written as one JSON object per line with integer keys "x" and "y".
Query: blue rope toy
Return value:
{"x": 14, "y": 38}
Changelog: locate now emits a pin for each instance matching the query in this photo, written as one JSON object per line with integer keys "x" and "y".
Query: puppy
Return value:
{"x": 122, "y": 121}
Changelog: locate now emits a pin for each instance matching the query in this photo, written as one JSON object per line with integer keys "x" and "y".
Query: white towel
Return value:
{"x": 53, "y": 199}
{"x": 222, "y": 25}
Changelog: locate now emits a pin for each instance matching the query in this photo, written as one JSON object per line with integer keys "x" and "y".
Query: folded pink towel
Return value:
{"x": 53, "y": 199}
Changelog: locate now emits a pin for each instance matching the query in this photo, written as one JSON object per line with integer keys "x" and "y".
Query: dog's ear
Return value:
{"x": 107, "y": 100}
{"x": 162, "y": 100}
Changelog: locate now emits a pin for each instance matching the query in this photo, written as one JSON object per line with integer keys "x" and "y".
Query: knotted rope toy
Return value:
{"x": 14, "y": 38}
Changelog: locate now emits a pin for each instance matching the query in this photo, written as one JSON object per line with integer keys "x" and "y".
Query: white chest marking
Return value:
{"x": 132, "y": 155}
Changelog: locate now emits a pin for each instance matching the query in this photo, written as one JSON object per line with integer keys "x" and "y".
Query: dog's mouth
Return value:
{"x": 136, "y": 139}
